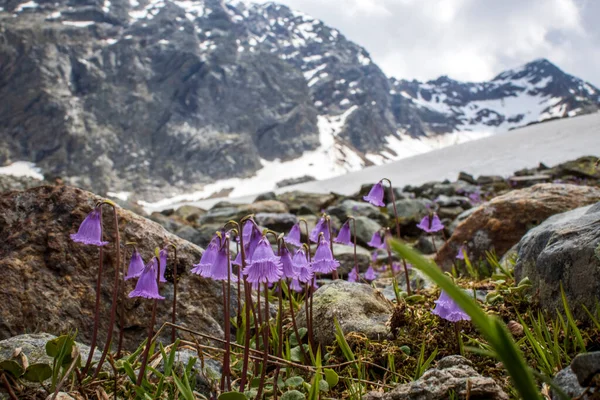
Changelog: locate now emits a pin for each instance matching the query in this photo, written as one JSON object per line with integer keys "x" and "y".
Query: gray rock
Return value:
{"x": 9, "y": 182}
{"x": 168, "y": 223}
{"x": 450, "y": 213}
{"x": 365, "y": 228}
{"x": 222, "y": 215}
{"x": 429, "y": 244}
{"x": 563, "y": 250}
{"x": 463, "y": 176}
{"x": 357, "y": 307}
{"x": 315, "y": 202}
{"x": 190, "y": 213}
{"x": 586, "y": 367}
{"x": 348, "y": 208}
{"x": 453, "y": 201}
{"x": 566, "y": 380}
{"x": 489, "y": 179}
{"x": 277, "y": 222}
{"x": 33, "y": 346}
{"x": 450, "y": 375}
{"x": 410, "y": 210}
{"x": 266, "y": 196}
{"x": 345, "y": 255}
{"x": 190, "y": 234}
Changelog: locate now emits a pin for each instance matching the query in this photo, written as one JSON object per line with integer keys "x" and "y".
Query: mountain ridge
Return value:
{"x": 163, "y": 97}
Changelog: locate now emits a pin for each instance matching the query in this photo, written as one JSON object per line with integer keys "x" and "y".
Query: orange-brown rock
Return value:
{"x": 48, "y": 281}
{"x": 500, "y": 223}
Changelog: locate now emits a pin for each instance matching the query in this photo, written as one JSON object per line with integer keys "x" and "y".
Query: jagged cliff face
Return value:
{"x": 162, "y": 96}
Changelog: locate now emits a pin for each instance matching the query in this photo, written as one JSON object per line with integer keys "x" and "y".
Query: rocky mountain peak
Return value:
{"x": 158, "y": 97}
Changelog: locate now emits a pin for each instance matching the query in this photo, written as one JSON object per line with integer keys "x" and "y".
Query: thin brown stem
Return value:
{"x": 354, "y": 233}
{"x": 174, "y": 312}
{"x": 97, "y": 305}
{"x": 11, "y": 393}
{"x": 334, "y": 274}
{"x": 150, "y": 332}
{"x": 279, "y": 336}
{"x": 295, "y": 327}
{"x": 113, "y": 309}
{"x": 265, "y": 328}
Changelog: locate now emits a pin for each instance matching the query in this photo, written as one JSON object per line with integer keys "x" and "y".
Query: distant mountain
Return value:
{"x": 158, "y": 97}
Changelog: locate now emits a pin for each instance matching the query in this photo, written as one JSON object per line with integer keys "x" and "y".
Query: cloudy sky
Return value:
{"x": 468, "y": 40}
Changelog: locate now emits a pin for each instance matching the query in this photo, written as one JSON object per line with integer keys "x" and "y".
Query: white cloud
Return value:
{"x": 467, "y": 39}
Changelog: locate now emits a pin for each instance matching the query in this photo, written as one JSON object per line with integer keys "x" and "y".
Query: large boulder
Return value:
{"x": 356, "y": 306}
{"x": 563, "y": 250}
{"x": 49, "y": 280}
{"x": 500, "y": 223}
{"x": 299, "y": 201}
{"x": 453, "y": 374}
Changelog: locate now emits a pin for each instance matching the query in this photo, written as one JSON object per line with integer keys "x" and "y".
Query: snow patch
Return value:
{"x": 123, "y": 196}
{"x": 23, "y": 6}
{"x": 22, "y": 168}
{"x": 330, "y": 159}
{"x": 79, "y": 24}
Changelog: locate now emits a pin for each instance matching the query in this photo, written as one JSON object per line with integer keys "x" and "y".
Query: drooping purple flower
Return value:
{"x": 294, "y": 237}
{"x": 251, "y": 236}
{"x": 475, "y": 198}
{"x": 397, "y": 267}
{"x": 461, "y": 252}
{"x": 163, "y": 264}
{"x": 431, "y": 224}
{"x": 447, "y": 309}
{"x": 90, "y": 230}
{"x": 377, "y": 241}
{"x": 265, "y": 266}
{"x": 374, "y": 256}
{"x": 295, "y": 286}
{"x": 136, "y": 265}
{"x": 370, "y": 274}
{"x": 375, "y": 195}
{"x": 220, "y": 266}
{"x": 287, "y": 265}
{"x": 305, "y": 271}
{"x": 146, "y": 286}
{"x": 207, "y": 259}
{"x": 344, "y": 236}
{"x": 324, "y": 261}
{"x": 321, "y": 227}
{"x": 353, "y": 275}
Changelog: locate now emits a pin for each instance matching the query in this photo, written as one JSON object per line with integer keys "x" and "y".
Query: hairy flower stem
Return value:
{"x": 121, "y": 316}
{"x": 226, "y": 375}
{"x": 334, "y": 274}
{"x": 295, "y": 327}
{"x": 265, "y": 331}
{"x": 408, "y": 290}
{"x": 97, "y": 306}
{"x": 150, "y": 335}
{"x": 113, "y": 310}
{"x": 174, "y": 312}
{"x": 279, "y": 337}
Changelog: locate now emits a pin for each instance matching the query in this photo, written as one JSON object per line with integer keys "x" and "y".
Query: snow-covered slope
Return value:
{"x": 495, "y": 155}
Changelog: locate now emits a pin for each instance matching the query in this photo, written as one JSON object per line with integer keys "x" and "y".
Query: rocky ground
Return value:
{"x": 544, "y": 219}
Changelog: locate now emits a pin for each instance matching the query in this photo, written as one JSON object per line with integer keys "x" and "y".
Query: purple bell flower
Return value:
{"x": 294, "y": 237}
{"x": 220, "y": 265}
{"x": 288, "y": 268}
{"x": 305, "y": 271}
{"x": 461, "y": 252}
{"x": 163, "y": 264}
{"x": 324, "y": 261}
{"x": 447, "y": 309}
{"x": 207, "y": 259}
{"x": 295, "y": 286}
{"x": 370, "y": 274}
{"x": 377, "y": 241}
{"x": 353, "y": 275}
{"x": 251, "y": 235}
{"x": 321, "y": 227}
{"x": 344, "y": 236}
{"x": 375, "y": 196}
{"x": 265, "y": 266}
{"x": 136, "y": 266}
{"x": 431, "y": 224}
{"x": 146, "y": 286}
{"x": 90, "y": 230}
